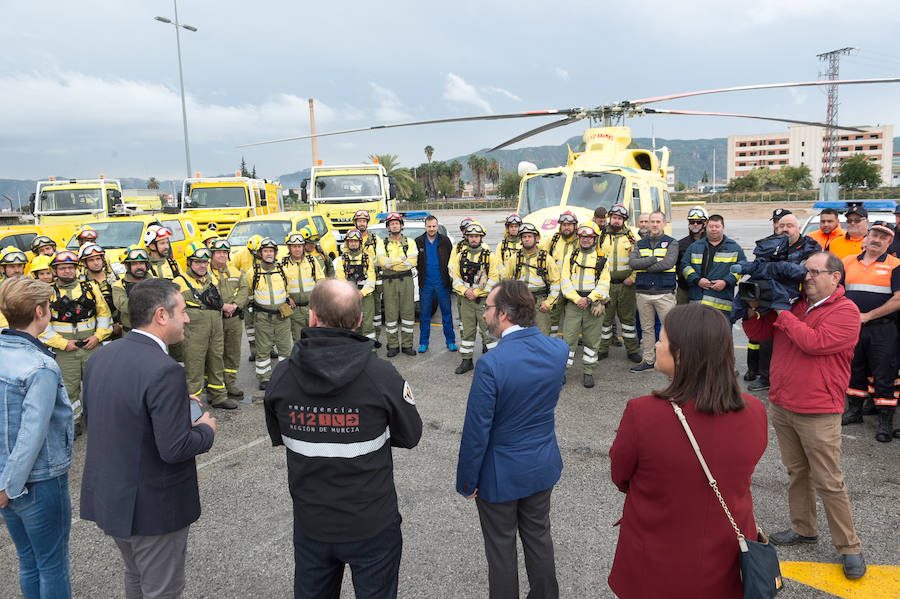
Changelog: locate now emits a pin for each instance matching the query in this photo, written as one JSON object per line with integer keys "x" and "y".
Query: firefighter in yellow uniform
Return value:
{"x": 585, "y": 286}
{"x": 79, "y": 321}
{"x": 373, "y": 246}
{"x": 204, "y": 338}
{"x": 462, "y": 243}
{"x": 158, "y": 242}
{"x": 12, "y": 262}
{"x": 39, "y": 268}
{"x": 234, "y": 290}
{"x": 534, "y": 267}
{"x": 244, "y": 259}
{"x": 137, "y": 263}
{"x": 560, "y": 246}
{"x": 616, "y": 241}
{"x": 41, "y": 245}
{"x": 314, "y": 250}
{"x": 474, "y": 273}
{"x": 303, "y": 271}
{"x": 95, "y": 267}
{"x": 397, "y": 260}
{"x": 272, "y": 307}
{"x": 358, "y": 267}
{"x": 511, "y": 242}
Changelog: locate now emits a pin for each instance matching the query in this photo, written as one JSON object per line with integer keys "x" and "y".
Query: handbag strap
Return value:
{"x": 712, "y": 482}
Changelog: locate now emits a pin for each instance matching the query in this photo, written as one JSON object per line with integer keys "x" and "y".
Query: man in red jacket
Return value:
{"x": 816, "y": 337}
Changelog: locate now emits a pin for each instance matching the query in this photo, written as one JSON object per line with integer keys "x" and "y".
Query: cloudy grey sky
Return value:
{"x": 91, "y": 86}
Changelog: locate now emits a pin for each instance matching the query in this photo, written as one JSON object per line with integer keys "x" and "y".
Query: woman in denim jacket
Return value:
{"x": 36, "y": 434}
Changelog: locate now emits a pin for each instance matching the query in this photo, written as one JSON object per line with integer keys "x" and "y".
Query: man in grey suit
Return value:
{"x": 140, "y": 477}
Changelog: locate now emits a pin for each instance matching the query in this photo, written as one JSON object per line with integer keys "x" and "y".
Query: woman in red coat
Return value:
{"x": 675, "y": 540}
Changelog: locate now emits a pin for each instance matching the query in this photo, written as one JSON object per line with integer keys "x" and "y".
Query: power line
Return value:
{"x": 829, "y": 155}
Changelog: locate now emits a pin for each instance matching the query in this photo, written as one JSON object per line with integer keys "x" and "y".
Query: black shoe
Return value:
{"x": 789, "y": 537}
{"x": 853, "y": 411}
{"x": 854, "y": 565}
{"x": 377, "y": 344}
{"x": 564, "y": 379}
{"x": 635, "y": 357}
{"x": 750, "y": 375}
{"x": 79, "y": 428}
{"x": 237, "y": 394}
{"x": 602, "y": 355}
{"x": 868, "y": 407}
{"x": 484, "y": 348}
{"x": 252, "y": 358}
{"x": 409, "y": 351}
{"x": 263, "y": 385}
{"x": 464, "y": 366}
{"x": 588, "y": 381}
{"x": 393, "y": 351}
{"x": 642, "y": 367}
{"x": 759, "y": 384}
{"x": 226, "y": 404}
{"x": 273, "y": 354}
{"x": 885, "y": 424}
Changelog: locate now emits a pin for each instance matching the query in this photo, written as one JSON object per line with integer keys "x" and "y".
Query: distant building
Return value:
{"x": 803, "y": 144}
{"x": 671, "y": 181}
{"x": 895, "y": 171}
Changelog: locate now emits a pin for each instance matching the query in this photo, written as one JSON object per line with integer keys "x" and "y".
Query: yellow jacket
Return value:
{"x": 617, "y": 247}
{"x": 302, "y": 277}
{"x": 243, "y": 260}
{"x": 560, "y": 248}
{"x": 269, "y": 287}
{"x": 98, "y": 321}
{"x": 508, "y": 247}
{"x": 580, "y": 275}
{"x": 462, "y": 281}
{"x": 398, "y": 256}
{"x": 361, "y": 266}
{"x": 232, "y": 284}
{"x": 528, "y": 269}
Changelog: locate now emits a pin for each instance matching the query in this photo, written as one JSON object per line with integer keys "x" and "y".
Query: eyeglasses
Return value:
{"x": 854, "y": 221}
{"x": 695, "y": 222}
{"x": 815, "y": 273}
{"x": 487, "y": 307}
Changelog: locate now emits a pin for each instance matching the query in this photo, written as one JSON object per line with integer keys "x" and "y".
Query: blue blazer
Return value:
{"x": 508, "y": 449}
{"x": 139, "y": 477}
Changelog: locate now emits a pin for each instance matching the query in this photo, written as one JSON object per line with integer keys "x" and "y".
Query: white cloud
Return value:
{"x": 561, "y": 73}
{"x": 499, "y": 90}
{"x": 389, "y": 107}
{"x": 458, "y": 91}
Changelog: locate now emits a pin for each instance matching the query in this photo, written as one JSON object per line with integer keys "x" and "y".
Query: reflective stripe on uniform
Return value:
{"x": 337, "y": 450}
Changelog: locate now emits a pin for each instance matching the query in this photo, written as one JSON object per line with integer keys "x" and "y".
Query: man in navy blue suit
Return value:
{"x": 509, "y": 460}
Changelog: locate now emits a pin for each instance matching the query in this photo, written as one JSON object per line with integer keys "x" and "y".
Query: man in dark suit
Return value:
{"x": 508, "y": 457}
{"x": 140, "y": 478}
{"x": 434, "y": 283}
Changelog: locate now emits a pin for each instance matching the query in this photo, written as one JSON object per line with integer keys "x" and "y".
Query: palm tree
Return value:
{"x": 479, "y": 166}
{"x": 429, "y": 152}
{"x": 402, "y": 176}
{"x": 152, "y": 183}
{"x": 455, "y": 171}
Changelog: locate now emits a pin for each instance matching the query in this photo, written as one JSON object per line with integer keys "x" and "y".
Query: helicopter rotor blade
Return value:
{"x": 763, "y": 86}
{"x": 487, "y": 117}
{"x": 745, "y": 116}
{"x": 566, "y": 121}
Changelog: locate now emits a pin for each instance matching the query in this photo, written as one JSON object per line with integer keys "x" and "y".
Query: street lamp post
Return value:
{"x": 177, "y": 25}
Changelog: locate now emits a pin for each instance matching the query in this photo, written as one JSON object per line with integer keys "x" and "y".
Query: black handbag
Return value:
{"x": 760, "y": 570}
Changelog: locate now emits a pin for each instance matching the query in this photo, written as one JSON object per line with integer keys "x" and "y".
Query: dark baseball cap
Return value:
{"x": 856, "y": 208}
{"x": 778, "y": 213}
{"x": 880, "y": 225}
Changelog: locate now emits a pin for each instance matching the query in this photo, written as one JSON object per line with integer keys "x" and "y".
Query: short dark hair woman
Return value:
{"x": 37, "y": 429}
{"x": 674, "y": 538}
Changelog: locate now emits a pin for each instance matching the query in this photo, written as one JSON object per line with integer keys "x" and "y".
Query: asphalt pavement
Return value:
{"x": 241, "y": 546}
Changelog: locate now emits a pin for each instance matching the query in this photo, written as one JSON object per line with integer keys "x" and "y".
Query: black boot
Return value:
{"x": 868, "y": 408}
{"x": 885, "y": 424}
{"x": 853, "y": 412}
{"x": 464, "y": 366}
{"x": 752, "y": 361}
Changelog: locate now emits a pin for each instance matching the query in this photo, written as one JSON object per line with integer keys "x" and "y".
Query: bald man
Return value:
{"x": 338, "y": 408}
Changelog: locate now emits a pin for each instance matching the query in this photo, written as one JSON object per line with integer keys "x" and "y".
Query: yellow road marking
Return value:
{"x": 879, "y": 581}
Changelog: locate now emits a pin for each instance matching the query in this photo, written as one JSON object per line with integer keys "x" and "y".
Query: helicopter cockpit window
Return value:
{"x": 654, "y": 197}
{"x": 590, "y": 190}
{"x": 542, "y": 191}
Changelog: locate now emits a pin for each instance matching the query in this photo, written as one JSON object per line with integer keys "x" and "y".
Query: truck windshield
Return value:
{"x": 276, "y": 229}
{"x": 542, "y": 191}
{"x": 118, "y": 234}
{"x": 87, "y": 200}
{"x": 590, "y": 190}
{"x": 217, "y": 197}
{"x": 331, "y": 188}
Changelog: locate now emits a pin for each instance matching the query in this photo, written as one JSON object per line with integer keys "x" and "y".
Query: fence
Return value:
{"x": 807, "y": 195}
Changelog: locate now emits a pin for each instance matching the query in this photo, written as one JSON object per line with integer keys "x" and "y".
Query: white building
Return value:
{"x": 804, "y": 144}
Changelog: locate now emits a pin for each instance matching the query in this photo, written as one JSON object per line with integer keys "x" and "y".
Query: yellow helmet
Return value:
{"x": 253, "y": 243}
{"x": 197, "y": 251}
{"x": 309, "y": 234}
{"x": 41, "y": 262}
{"x": 13, "y": 255}
{"x": 207, "y": 235}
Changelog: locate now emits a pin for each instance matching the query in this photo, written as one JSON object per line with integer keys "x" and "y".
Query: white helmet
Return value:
{"x": 697, "y": 213}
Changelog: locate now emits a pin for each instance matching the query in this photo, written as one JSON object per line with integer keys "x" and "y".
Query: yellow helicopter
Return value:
{"x": 607, "y": 171}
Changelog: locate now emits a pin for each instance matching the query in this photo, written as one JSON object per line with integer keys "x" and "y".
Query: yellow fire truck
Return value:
{"x": 226, "y": 200}
{"x": 76, "y": 201}
{"x": 337, "y": 192}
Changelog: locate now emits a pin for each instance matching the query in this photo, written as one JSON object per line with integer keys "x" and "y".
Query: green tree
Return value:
{"x": 253, "y": 172}
{"x": 456, "y": 168}
{"x": 509, "y": 185}
{"x": 152, "y": 183}
{"x": 417, "y": 192}
{"x": 680, "y": 186}
{"x": 445, "y": 187}
{"x": 859, "y": 171}
{"x": 429, "y": 152}
{"x": 793, "y": 178}
{"x": 756, "y": 180}
{"x": 479, "y": 166}
{"x": 402, "y": 176}
{"x": 244, "y": 171}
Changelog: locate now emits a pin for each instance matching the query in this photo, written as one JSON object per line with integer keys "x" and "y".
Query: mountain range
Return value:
{"x": 691, "y": 158}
